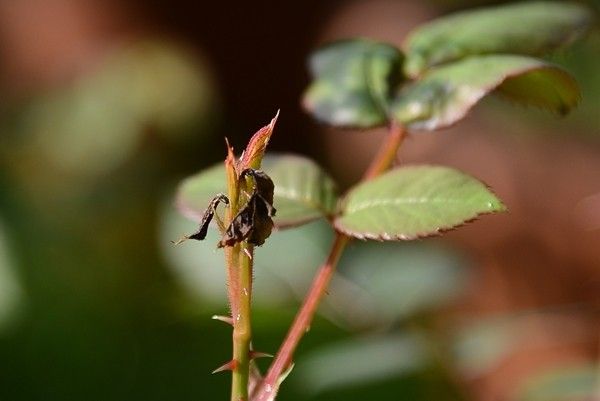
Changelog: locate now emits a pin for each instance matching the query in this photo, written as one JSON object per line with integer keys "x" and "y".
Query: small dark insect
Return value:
{"x": 253, "y": 223}
{"x": 264, "y": 184}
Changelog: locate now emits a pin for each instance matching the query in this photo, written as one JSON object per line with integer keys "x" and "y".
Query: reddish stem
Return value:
{"x": 303, "y": 320}
{"x": 387, "y": 152}
{"x": 269, "y": 386}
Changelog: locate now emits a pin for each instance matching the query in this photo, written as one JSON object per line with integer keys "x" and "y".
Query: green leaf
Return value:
{"x": 481, "y": 345}
{"x": 12, "y": 296}
{"x": 353, "y": 82}
{"x": 446, "y": 94}
{"x": 529, "y": 28}
{"x": 403, "y": 279}
{"x": 362, "y": 361}
{"x": 414, "y": 201}
{"x": 196, "y": 192}
{"x": 303, "y": 191}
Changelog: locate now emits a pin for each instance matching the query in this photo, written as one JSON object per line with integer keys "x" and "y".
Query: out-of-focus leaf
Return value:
{"x": 414, "y": 201}
{"x": 196, "y": 192}
{"x": 479, "y": 346}
{"x": 11, "y": 294}
{"x": 397, "y": 280}
{"x": 445, "y": 94}
{"x": 303, "y": 191}
{"x": 562, "y": 383}
{"x": 530, "y": 28}
{"x": 353, "y": 82}
{"x": 91, "y": 127}
{"x": 361, "y": 361}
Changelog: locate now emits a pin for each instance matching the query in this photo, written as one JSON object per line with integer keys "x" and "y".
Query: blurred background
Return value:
{"x": 106, "y": 105}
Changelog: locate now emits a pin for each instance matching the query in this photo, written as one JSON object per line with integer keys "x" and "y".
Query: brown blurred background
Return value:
{"x": 107, "y": 104}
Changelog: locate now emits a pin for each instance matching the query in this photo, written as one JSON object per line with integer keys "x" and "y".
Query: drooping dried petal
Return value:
{"x": 209, "y": 213}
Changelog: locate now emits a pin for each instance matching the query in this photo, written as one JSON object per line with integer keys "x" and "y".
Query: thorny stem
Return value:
{"x": 241, "y": 263}
{"x": 232, "y": 253}
{"x": 232, "y": 260}
{"x": 242, "y": 327}
{"x": 239, "y": 275}
{"x": 268, "y": 387}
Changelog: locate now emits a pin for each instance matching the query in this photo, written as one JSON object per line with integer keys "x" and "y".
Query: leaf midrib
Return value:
{"x": 397, "y": 202}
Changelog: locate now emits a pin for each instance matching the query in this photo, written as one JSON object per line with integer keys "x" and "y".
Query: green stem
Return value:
{"x": 267, "y": 390}
{"x": 232, "y": 253}
{"x": 242, "y": 326}
{"x": 239, "y": 287}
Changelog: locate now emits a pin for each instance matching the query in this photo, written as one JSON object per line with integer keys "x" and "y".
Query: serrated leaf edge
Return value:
{"x": 402, "y": 237}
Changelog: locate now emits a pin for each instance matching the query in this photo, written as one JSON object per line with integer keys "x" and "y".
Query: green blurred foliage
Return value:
{"x": 83, "y": 168}
{"x": 11, "y": 292}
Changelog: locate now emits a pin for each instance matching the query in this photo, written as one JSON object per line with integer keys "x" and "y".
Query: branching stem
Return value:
{"x": 269, "y": 386}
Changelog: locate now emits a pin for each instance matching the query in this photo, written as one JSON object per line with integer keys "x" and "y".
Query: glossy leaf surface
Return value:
{"x": 446, "y": 94}
{"x": 528, "y": 28}
{"x": 353, "y": 82}
{"x": 414, "y": 201}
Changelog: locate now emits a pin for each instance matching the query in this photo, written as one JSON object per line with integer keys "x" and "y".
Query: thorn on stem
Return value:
{"x": 231, "y": 365}
{"x": 285, "y": 374}
{"x": 224, "y": 319}
{"x": 257, "y": 354}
